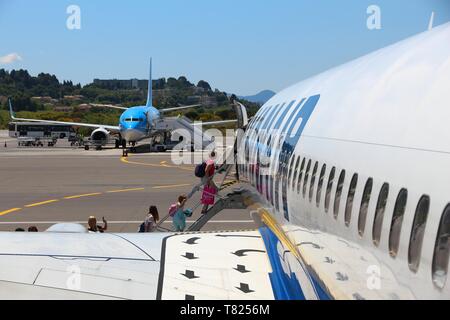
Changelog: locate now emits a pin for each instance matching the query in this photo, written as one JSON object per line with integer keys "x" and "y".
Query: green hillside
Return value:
{"x": 45, "y": 97}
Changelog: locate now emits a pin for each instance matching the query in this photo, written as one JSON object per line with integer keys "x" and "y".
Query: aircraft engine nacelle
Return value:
{"x": 100, "y": 136}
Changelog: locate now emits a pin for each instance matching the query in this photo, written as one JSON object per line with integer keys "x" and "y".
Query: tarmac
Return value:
{"x": 43, "y": 186}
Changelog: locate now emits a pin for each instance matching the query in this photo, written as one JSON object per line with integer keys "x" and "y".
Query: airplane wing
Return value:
{"x": 179, "y": 108}
{"x": 98, "y": 105}
{"x": 47, "y": 265}
{"x": 76, "y": 124}
{"x": 239, "y": 265}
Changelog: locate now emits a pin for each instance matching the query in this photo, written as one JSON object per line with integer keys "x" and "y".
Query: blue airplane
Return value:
{"x": 135, "y": 123}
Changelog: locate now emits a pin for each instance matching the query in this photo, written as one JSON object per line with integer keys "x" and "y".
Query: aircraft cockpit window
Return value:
{"x": 320, "y": 184}
{"x": 329, "y": 187}
{"x": 337, "y": 198}
{"x": 379, "y": 214}
{"x": 350, "y": 197}
{"x": 305, "y": 182}
{"x": 364, "y": 206}
{"x": 442, "y": 250}
{"x": 397, "y": 220}
{"x": 313, "y": 181}
{"x": 417, "y": 233}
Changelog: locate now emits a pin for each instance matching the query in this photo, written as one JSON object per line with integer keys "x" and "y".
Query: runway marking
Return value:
{"x": 125, "y": 160}
{"x": 40, "y": 203}
{"x": 9, "y": 211}
{"x": 83, "y": 195}
{"x": 172, "y": 186}
{"x": 125, "y": 190}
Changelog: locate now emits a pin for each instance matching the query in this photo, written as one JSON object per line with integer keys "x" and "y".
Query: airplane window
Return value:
{"x": 337, "y": 197}
{"x": 379, "y": 214}
{"x": 329, "y": 187}
{"x": 442, "y": 250}
{"x": 291, "y": 169}
{"x": 364, "y": 206}
{"x": 300, "y": 175}
{"x": 128, "y": 119}
{"x": 417, "y": 233}
{"x": 350, "y": 197}
{"x": 313, "y": 181}
{"x": 305, "y": 182}
{"x": 397, "y": 220}
{"x": 294, "y": 178}
{"x": 319, "y": 186}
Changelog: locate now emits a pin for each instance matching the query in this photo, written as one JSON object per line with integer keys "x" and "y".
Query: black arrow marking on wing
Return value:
{"x": 190, "y": 256}
{"x": 191, "y": 241}
{"x": 245, "y": 288}
{"x": 314, "y": 245}
{"x": 242, "y": 253}
{"x": 189, "y": 274}
{"x": 241, "y": 269}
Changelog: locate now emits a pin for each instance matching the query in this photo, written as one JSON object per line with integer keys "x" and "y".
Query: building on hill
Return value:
{"x": 63, "y": 109}
{"x": 121, "y": 84}
{"x": 44, "y": 100}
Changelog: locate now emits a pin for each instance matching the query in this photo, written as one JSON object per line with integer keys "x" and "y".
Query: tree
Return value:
{"x": 205, "y": 85}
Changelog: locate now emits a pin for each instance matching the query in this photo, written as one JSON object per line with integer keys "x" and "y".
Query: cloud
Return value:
{"x": 10, "y": 58}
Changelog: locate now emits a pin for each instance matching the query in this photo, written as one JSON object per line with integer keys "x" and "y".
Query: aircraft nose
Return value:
{"x": 131, "y": 135}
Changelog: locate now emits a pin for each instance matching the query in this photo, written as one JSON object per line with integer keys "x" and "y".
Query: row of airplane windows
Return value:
{"x": 442, "y": 245}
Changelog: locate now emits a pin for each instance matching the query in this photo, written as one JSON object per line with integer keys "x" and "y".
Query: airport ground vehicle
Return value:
{"x": 40, "y": 130}
{"x": 36, "y": 142}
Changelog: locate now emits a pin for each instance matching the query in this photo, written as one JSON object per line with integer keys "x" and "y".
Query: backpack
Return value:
{"x": 200, "y": 170}
{"x": 173, "y": 209}
{"x": 188, "y": 213}
{"x": 142, "y": 227}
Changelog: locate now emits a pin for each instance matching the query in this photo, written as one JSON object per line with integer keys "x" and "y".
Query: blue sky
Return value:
{"x": 238, "y": 46}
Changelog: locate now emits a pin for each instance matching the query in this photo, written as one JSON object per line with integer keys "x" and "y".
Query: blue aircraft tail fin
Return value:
{"x": 150, "y": 93}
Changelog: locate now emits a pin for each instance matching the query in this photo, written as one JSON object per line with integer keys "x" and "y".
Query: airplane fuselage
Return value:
{"x": 358, "y": 160}
{"x": 136, "y": 122}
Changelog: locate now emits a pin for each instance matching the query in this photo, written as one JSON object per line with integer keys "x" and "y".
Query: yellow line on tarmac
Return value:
{"x": 172, "y": 186}
{"x": 40, "y": 203}
{"x": 83, "y": 195}
{"x": 125, "y": 160}
{"x": 125, "y": 190}
{"x": 9, "y": 211}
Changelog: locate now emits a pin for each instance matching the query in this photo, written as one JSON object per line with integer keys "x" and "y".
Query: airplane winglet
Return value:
{"x": 11, "y": 112}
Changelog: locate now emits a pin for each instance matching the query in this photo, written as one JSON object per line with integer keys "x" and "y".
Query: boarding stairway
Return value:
{"x": 231, "y": 200}
{"x": 199, "y": 139}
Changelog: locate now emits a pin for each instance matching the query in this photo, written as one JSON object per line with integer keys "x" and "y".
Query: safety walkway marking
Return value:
{"x": 9, "y": 211}
{"x": 40, "y": 203}
{"x": 2, "y": 213}
{"x": 125, "y": 160}
{"x": 83, "y": 195}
